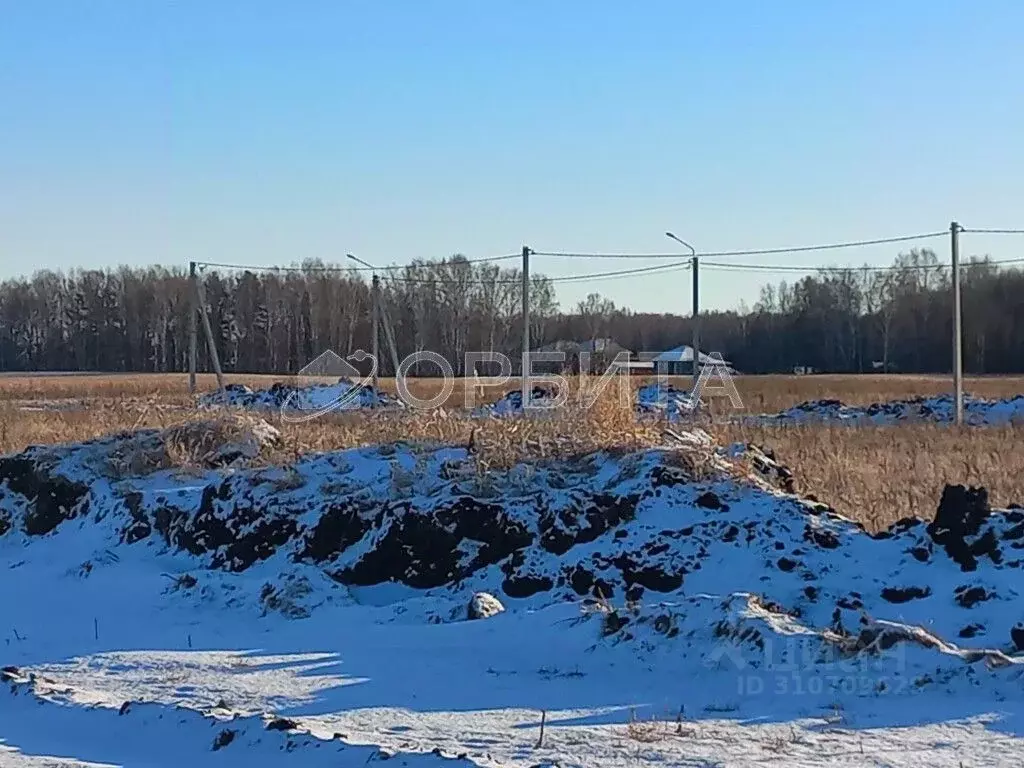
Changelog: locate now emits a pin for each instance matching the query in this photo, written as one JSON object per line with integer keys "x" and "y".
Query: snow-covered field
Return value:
{"x": 318, "y": 614}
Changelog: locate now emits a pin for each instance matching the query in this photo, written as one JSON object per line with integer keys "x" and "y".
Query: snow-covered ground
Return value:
{"x": 939, "y": 408}
{"x": 668, "y": 401}
{"x": 658, "y": 398}
{"x": 511, "y": 403}
{"x": 309, "y": 400}
{"x": 317, "y": 615}
{"x": 664, "y": 399}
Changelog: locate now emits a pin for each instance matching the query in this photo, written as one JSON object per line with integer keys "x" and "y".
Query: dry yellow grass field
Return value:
{"x": 877, "y": 475}
{"x": 873, "y": 474}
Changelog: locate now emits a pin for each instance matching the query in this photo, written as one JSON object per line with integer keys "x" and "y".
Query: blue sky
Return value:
{"x": 159, "y": 132}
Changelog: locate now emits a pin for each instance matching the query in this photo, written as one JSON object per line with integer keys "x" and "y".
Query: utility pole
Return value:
{"x": 389, "y": 337}
{"x": 526, "y": 328}
{"x": 958, "y": 360}
{"x": 192, "y": 330}
{"x": 696, "y": 321}
{"x": 211, "y": 343}
{"x": 375, "y": 299}
{"x": 375, "y": 323}
{"x": 696, "y": 306}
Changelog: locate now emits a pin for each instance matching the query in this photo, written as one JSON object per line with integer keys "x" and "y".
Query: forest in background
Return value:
{"x": 841, "y": 321}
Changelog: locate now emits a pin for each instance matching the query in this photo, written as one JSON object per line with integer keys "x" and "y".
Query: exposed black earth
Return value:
{"x": 633, "y": 528}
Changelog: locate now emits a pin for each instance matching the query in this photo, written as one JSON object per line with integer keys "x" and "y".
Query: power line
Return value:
{"x": 727, "y": 267}
{"x": 336, "y": 268}
{"x": 440, "y": 280}
{"x": 623, "y": 272}
{"x": 753, "y": 252}
{"x": 994, "y": 231}
{"x": 657, "y": 269}
{"x": 661, "y": 268}
{"x": 449, "y": 281}
{"x": 685, "y": 265}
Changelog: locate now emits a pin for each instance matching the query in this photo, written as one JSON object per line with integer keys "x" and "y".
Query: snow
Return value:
{"x": 505, "y": 736}
{"x": 658, "y": 398}
{"x": 48, "y": 733}
{"x": 511, "y": 403}
{"x": 308, "y": 400}
{"x": 742, "y": 626}
{"x": 484, "y": 606}
{"x": 663, "y": 398}
{"x": 940, "y": 408}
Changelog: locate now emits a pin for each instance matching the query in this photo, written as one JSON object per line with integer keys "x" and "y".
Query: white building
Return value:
{"x": 679, "y": 361}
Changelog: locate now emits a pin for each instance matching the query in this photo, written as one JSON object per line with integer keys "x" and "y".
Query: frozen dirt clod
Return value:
{"x": 664, "y": 399}
{"x": 933, "y": 409}
{"x": 342, "y": 395}
{"x": 511, "y": 403}
{"x": 656, "y": 399}
{"x": 483, "y": 606}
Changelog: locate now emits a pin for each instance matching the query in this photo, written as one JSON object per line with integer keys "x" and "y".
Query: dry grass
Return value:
{"x": 760, "y": 393}
{"x": 872, "y": 474}
{"x": 878, "y": 475}
{"x": 647, "y": 731}
{"x": 497, "y": 443}
{"x": 172, "y": 388}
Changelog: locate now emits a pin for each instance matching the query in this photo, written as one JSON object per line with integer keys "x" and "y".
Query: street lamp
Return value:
{"x": 375, "y": 315}
{"x": 682, "y": 243}
{"x": 360, "y": 261}
{"x": 696, "y": 306}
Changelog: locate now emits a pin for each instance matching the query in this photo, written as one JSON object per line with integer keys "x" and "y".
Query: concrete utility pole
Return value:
{"x": 375, "y": 292}
{"x": 375, "y": 321}
{"x": 958, "y": 360}
{"x": 389, "y": 337}
{"x": 211, "y": 343}
{"x": 696, "y": 320}
{"x": 192, "y": 330}
{"x": 526, "y": 328}
{"x": 696, "y": 305}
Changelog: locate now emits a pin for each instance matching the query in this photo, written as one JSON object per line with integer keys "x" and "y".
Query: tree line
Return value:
{"x": 848, "y": 320}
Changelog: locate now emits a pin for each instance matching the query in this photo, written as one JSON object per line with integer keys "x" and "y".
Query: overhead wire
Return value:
{"x": 679, "y": 266}
{"x": 346, "y": 268}
{"x": 661, "y": 268}
{"x": 727, "y": 267}
{"x": 994, "y": 231}
{"x": 518, "y": 281}
{"x": 750, "y": 252}
{"x": 682, "y": 262}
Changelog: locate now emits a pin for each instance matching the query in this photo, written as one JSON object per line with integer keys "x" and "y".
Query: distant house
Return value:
{"x": 599, "y": 354}
{"x": 679, "y": 361}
